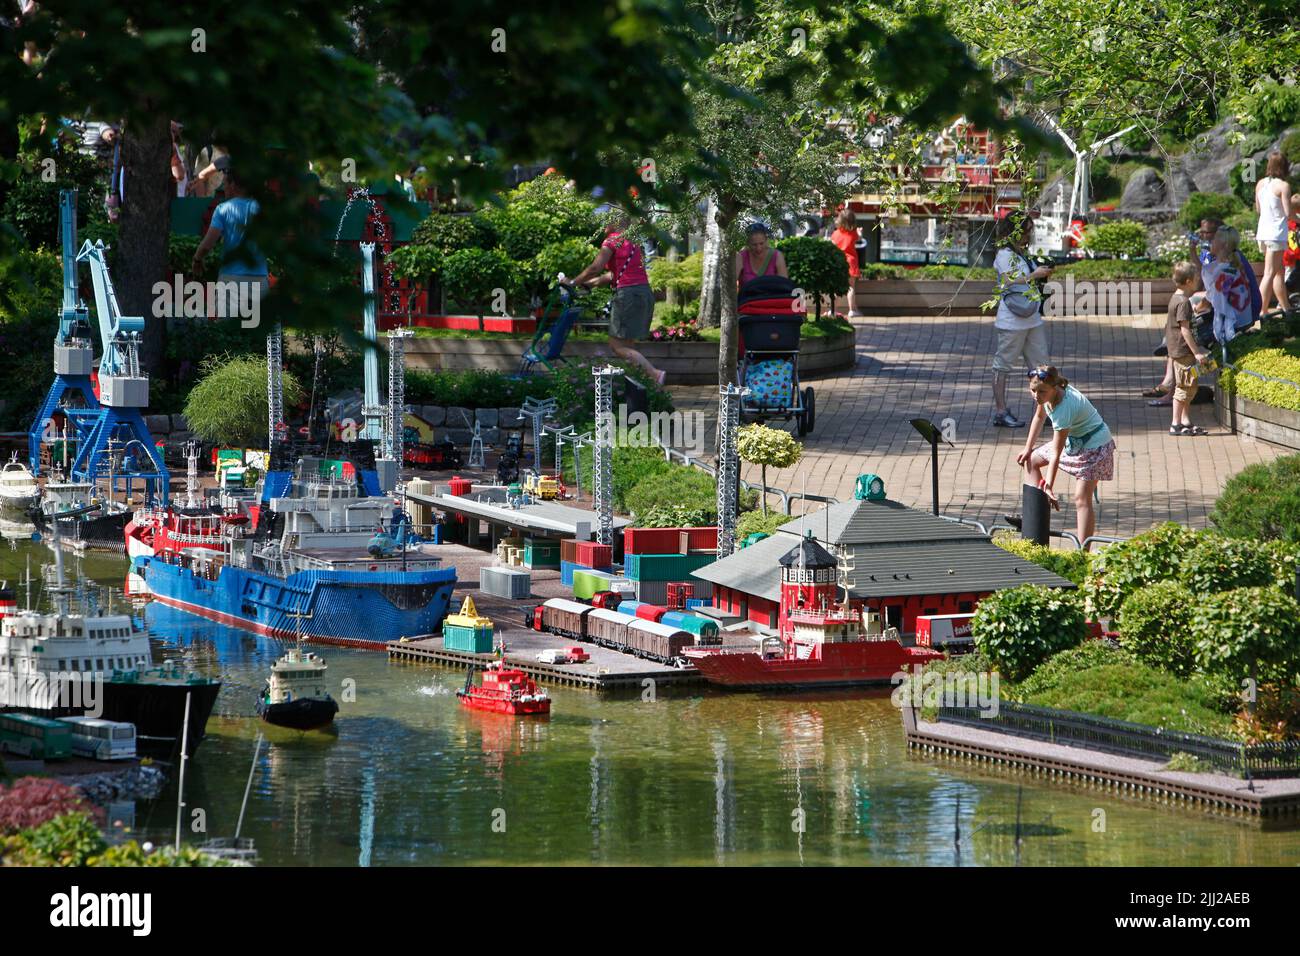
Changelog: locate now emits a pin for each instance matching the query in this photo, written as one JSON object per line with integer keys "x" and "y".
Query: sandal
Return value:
{"x": 1160, "y": 402}
{"x": 1194, "y": 430}
{"x": 1157, "y": 391}
{"x": 1178, "y": 430}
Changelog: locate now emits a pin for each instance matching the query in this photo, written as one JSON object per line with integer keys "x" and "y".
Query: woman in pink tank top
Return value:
{"x": 758, "y": 258}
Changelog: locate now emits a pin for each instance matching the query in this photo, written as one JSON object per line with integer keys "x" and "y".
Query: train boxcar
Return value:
{"x": 656, "y": 641}
{"x": 704, "y": 630}
{"x": 650, "y": 612}
{"x": 566, "y": 618}
{"x": 608, "y": 628}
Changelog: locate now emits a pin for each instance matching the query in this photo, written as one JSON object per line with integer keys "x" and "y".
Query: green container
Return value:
{"x": 474, "y": 640}
{"x": 587, "y": 583}
{"x": 541, "y": 553}
{"x": 699, "y": 626}
{"x": 665, "y": 567}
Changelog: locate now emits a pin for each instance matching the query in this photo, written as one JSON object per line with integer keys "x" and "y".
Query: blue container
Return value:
{"x": 697, "y": 602}
{"x": 675, "y": 619}
{"x": 566, "y": 572}
{"x": 629, "y": 607}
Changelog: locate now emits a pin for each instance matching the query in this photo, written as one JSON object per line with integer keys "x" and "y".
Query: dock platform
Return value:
{"x": 1271, "y": 799}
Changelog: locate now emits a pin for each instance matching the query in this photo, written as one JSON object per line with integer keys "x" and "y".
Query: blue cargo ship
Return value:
{"x": 348, "y": 606}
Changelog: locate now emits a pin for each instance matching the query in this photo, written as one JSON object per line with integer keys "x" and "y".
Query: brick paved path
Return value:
{"x": 938, "y": 368}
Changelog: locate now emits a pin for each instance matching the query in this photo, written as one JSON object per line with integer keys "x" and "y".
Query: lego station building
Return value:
{"x": 904, "y": 563}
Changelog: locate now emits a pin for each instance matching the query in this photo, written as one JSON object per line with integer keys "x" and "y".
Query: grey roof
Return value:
{"x": 808, "y": 553}
{"x": 961, "y": 563}
{"x": 877, "y": 522}
{"x": 539, "y": 516}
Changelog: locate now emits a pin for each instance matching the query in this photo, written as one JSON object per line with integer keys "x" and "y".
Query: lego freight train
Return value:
{"x": 627, "y": 633}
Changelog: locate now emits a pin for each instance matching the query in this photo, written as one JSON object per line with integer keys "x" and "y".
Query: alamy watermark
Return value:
{"x": 232, "y": 299}
{"x": 1085, "y": 297}
{"x": 682, "y": 431}
{"x": 930, "y": 689}
{"x": 55, "y": 690}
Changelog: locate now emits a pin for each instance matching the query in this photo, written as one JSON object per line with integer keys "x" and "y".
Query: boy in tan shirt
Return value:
{"x": 1184, "y": 350}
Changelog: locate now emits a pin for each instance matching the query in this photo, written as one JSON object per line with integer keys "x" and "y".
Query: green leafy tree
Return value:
{"x": 1155, "y": 625}
{"x": 476, "y": 278}
{"x": 1248, "y": 632}
{"x": 817, "y": 266}
{"x": 767, "y": 447}
{"x": 1120, "y": 569}
{"x": 228, "y": 405}
{"x": 1019, "y": 628}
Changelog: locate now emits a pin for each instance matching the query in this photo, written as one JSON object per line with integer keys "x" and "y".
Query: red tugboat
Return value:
{"x": 823, "y": 643}
{"x": 505, "y": 691}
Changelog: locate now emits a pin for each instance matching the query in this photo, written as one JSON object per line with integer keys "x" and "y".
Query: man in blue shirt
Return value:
{"x": 241, "y": 261}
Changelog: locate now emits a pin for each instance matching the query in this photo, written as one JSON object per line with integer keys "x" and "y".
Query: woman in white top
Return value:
{"x": 1272, "y": 200}
{"x": 1021, "y": 335}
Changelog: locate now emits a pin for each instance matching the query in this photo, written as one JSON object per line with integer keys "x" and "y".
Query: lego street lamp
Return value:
{"x": 931, "y": 433}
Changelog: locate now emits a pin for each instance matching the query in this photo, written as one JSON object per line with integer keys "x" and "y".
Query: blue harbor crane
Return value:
{"x": 72, "y": 393}
{"x": 113, "y": 422}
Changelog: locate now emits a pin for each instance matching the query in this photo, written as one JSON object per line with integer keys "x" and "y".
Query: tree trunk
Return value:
{"x": 141, "y": 258}
{"x": 763, "y": 495}
{"x": 710, "y": 289}
{"x": 727, "y": 319}
{"x": 672, "y": 298}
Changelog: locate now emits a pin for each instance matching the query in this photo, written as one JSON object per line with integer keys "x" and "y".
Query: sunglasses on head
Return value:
{"x": 1039, "y": 373}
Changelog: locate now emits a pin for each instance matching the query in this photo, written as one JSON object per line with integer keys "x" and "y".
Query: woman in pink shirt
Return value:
{"x": 623, "y": 263}
{"x": 758, "y": 258}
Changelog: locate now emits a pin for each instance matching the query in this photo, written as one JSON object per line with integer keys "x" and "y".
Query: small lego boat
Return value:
{"x": 505, "y": 691}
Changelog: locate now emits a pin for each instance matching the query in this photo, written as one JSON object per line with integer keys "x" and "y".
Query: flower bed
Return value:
{"x": 1262, "y": 397}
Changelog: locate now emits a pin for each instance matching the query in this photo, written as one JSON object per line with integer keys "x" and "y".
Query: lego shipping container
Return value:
{"x": 541, "y": 553}
{"x": 506, "y": 583}
{"x": 587, "y": 583}
{"x": 665, "y": 567}
{"x": 475, "y": 640}
{"x": 569, "y": 550}
{"x": 697, "y": 539}
{"x": 566, "y": 572}
{"x": 594, "y": 554}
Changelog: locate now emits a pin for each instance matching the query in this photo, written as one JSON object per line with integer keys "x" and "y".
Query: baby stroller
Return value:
{"x": 555, "y": 320}
{"x": 770, "y": 320}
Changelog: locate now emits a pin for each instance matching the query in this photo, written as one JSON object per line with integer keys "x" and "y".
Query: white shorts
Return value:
{"x": 1019, "y": 350}
{"x": 1268, "y": 245}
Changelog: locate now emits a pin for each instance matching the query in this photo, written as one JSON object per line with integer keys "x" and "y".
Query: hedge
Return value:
{"x": 1019, "y": 628}
{"x": 1262, "y": 502}
{"x": 1120, "y": 569}
{"x": 1123, "y": 237}
{"x": 1071, "y": 565}
{"x": 1155, "y": 626}
{"x": 1276, "y": 363}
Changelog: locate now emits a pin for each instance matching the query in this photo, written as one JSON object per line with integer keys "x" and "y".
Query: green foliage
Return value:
{"x": 1262, "y": 502}
{"x": 521, "y": 234}
{"x": 569, "y": 256}
{"x": 755, "y": 522}
{"x": 450, "y": 232}
{"x": 1120, "y": 569}
{"x": 1207, "y": 206}
{"x": 1243, "y": 186}
{"x": 1253, "y": 143}
{"x": 1221, "y": 564}
{"x": 1048, "y": 675}
{"x": 684, "y": 276}
{"x": 1111, "y": 270}
{"x": 679, "y": 487}
{"x": 567, "y": 212}
{"x": 632, "y": 465}
{"x": 472, "y": 276}
{"x": 1155, "y": 625}
{"x": 31, "y": 286}
{"x": 1249, "y": 632}
{"x": 1021, "y": 627}
{"x": 676, "y": 517}
{"x": 228, "y": 405}
{"x": 1181, "y": 762}
{"x": 1290, "y": 145}
{"x": 815, "y": 265}
{"x": 32, "y": 205}
{"x": 771, "y": 447}
{"x": 1071, "y": 565}
{"x": 1123, "y": 237}
{"x": 1281, "y": 365}
{"x": 1136, "y": 693}
{"x": 417, "y": 262}
{"x": 1272, "y": 106}
{"x": 73, "y": 839}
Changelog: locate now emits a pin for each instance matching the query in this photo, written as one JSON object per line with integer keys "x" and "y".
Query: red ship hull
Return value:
{"x": 500, "y": 705}
{"x": 844, "y": 665}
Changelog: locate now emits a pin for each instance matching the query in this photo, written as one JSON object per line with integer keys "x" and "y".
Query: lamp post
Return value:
{"x": 933, "y": 434}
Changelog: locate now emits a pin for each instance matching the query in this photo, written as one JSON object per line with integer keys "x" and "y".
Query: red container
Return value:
{"x": 650, "y": 612}
{"x": 650, "y": 540}
{"x": 460, "y": 487}
{"x": 593, "y": 554}
{"x": 678, "y": 592}
{"x": 697, "y": 539}
{"x": 569, "y": 550}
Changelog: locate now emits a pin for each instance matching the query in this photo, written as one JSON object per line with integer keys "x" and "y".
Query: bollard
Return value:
{"x": 1036, "y": 511}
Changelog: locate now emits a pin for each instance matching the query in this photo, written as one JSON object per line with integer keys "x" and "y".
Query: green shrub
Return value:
{"x": 632, "y": 465}
{"x": 679, "y": 487}
{"x": 1272, "y": 106}
{"x": 1071, "y": 565}
{"x": 522, "y": 234}
{"x": 685, "y": 276}
{"x": 1021, "y": 627}
{"x": 1155, "y": 625}
{"x": 1290, "y": 145}
{"x": 1136, "y": 693}
{"x": 755, "y": 522}
{"x": 1249, "y": 632}
{"x": 1221, "y": 564}
{"x": 1243, "y": 186}
{"x": 472, "y": 278}
{"x": 451, "y": 232}
{"x": 569, "y": 256}
{"x": 1284, "y": 557}
{"x": 32, "y": 204}
{"x": 1261, "y": 502}
{"x": 1282, "y": 366}
{"x": 416, "y": 262}
{"x": 1207, "y": 206}
{"x": 1049, "y": 674}
{"x": 569, "y": 213}
{"x": 817, "y": 266}
{"x": 1110, "y": 270}
{"x": 1120, "y": 569}
{"x": 1122, "y": 237}
{"x": 676, "y": 517}
{"x": 1253, "y": 143}
{"x": 228, "y": 406}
